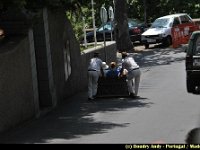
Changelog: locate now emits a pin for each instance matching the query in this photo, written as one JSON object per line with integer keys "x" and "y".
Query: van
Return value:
{"x": 161, "y": 29}
{"x": 192, "y": 63}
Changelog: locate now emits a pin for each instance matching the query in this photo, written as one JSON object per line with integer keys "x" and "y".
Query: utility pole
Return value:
{"x": 104, "y": 19}
{"x": 111, "y": 17}
{"x": 145, "y": 11}
{"x": 114, "y": 6}
{"x": 94, "y": 26}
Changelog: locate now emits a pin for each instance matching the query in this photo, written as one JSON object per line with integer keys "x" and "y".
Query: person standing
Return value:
{"x": 94, "y": 72}
{"x": 133, "y": 75}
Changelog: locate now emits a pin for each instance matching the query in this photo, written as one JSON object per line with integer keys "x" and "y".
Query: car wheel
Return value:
{"x": 146, "y": 46}
{"x": 190, "y": 86}
{"x": 168, "y": 41}
{"x": 193, "y": 136}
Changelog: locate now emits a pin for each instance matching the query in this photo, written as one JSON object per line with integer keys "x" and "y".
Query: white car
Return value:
{"x": 161, "y": 29}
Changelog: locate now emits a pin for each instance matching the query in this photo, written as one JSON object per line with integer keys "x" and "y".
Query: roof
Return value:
{"x": 173, "y": 15}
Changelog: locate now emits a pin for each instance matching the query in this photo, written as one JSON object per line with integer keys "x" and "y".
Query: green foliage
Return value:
{"x": 77, "y": 9}
{"x": 16, "y": 4}
{"x": 77, "y": 22}
{"x": 155, "y": 8}
{"x": 158, "y": 8}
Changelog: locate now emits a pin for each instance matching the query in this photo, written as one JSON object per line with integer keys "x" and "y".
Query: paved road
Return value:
{"x": 164, "y": 113}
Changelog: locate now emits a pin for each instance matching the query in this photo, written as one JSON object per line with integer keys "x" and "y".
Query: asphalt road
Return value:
{"x": 164, "y": 113}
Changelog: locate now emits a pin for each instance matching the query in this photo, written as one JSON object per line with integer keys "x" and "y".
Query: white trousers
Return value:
{"x": 93, "y": 77}
{"x": 133, "y": 81}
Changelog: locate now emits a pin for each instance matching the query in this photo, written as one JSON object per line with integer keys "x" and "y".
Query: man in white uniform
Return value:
{"x": 94, "y": 71}
{"x": 133, "y": 75}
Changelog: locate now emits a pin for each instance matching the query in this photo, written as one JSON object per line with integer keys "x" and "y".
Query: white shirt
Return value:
{"x": 95, "y": 64}
{"x": 129, "y": 64}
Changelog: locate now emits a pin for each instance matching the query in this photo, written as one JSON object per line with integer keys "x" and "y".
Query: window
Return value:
{"x": 185, "y": 19}
{"x": 176, "y": 21}
{"x": 161, "y": 23}
{"x": 197, "y": 46}
{"x": 105, "y": 27}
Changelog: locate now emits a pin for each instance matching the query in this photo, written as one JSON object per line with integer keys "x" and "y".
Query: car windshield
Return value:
{"x": 106, "y": 26}
{"x": 133, "y": 22}
{"x": 160, "y": 23}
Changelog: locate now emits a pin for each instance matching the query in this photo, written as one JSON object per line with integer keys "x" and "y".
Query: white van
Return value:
{"x": 161, "y": 29}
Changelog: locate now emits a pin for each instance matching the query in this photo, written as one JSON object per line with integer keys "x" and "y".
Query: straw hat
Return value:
{"x": 104, "y": 65}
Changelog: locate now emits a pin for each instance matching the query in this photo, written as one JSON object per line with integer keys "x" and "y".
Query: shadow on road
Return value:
{"x": 158, "y": 55}
{"x": 74, "y": 119}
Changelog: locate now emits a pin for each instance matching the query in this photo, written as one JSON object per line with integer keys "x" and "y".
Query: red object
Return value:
{"x": 181, "y": 33}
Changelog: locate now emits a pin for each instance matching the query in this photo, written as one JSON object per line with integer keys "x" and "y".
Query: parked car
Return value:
{"x": 161, "y": 29}
{"x": 136, "y": 28}
{"x": 192, "y": 63}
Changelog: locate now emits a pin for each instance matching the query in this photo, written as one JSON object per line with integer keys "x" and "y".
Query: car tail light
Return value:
{"x": 136, "y": 30}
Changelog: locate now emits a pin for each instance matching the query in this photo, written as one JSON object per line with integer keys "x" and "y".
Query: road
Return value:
{"x": 164, "y": 113}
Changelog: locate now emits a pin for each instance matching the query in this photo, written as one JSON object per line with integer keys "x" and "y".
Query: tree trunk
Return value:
{"x": 121, "y": 27}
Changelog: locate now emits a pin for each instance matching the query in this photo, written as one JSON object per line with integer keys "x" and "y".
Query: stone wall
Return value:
{"x": 16, "y": 88}
{"x": 62, "y": 38}
{"x": 51, "y": 46}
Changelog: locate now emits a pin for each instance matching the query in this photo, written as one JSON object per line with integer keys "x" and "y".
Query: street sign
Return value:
{"x": 111, "y": 13}
{"x": 103, "y": 15}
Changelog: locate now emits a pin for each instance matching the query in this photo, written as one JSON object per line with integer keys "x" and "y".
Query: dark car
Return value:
{"x": 193, "y": 136}
{"x": 136, "y": 28}
{"x": 192, "y": 63}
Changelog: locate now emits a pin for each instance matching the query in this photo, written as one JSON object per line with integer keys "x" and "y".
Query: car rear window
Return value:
{"x": 185, "y": 19}
{"x": 106, "y": 26}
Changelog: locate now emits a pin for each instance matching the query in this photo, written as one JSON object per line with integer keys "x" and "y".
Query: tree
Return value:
{"x": 121, "y": 27}
{"x": 80, "y": 8}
